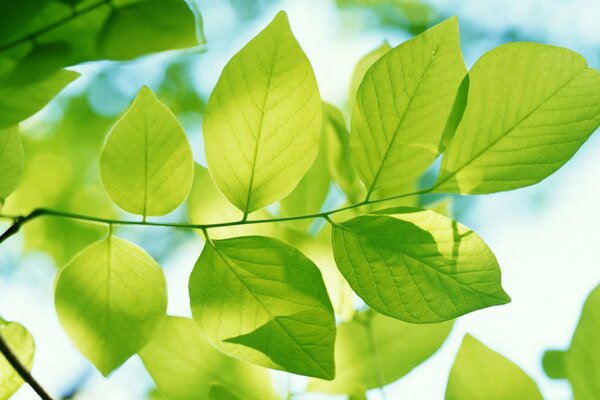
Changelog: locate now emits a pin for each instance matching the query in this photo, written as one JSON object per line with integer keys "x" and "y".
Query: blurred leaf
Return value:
{"x": 111, "y": 299}
{"x": 363, "y": 66}
{"x": 400, "y": 347}
{"x": 218, "y": 392}
{"x": 529, "y": 109}
{"x": 416, "y": 265}
{"x": 402, "y": 107}
{"x": 184, "y": 365}
{"x": 12, "y": 160}
{"x": 554, "y": 364}
{"x": 263, "y": 119}
{"x": 147, "y": 165}
{"x": 279, "y": 315}
{"x": 21, "y": 343}
{"x": 480, "y": 373}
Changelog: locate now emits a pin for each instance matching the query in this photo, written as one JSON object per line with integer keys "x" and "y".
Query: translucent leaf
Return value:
{"x": 184, "y": 365}
{"x": 218, "y": 392}
{"x": 147, "y": 166}
{"x": 262, "y": 301}
{"x": 12, "y": 161}
{"x": 21, "y": 343}
{"x": 402, "y": 106}
{"x": 479, "y": 373}
{"x": 400, "y": 348}
{"x": 263, "y": 119}
{"x": 111, "y": 299}
{"x": 416, "y": 265}
{"x": 529, "y": 108}
{"x": 363, "y": 65}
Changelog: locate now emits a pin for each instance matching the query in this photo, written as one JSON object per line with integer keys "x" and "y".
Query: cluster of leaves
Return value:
{"x": 518, "y": 115}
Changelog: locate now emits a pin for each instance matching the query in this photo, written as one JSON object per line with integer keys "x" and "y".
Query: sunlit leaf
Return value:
{"x": 278, "y": 312}
{"x": 363, "y": 65}
{"x": 20, "y": 342}
{"x": 111, "y": 299}
{"x": 184, "y": 365}
{"x": 147, "y": 165}
{"x": 529, "y": 109}
{"x": 416, "y": 265}
{"x": 263, "y": 119}
{"x": 11, "y": 161}
{"x": 402, "y": 106}
{"x": 480, "y": 373}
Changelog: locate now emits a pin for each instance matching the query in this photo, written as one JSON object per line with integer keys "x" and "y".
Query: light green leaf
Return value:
{"x": 148, "y": 27}
{"x": 580, "y": 364}
{"x": 277, "y": 311}
{"x": 416, "y": 265}
{"x": 12, "y": 161}
{"x": 218, "y": 392}
{"x": 402, "y": 106}
{"x": 147, "y": 165}
{"x": 21, "y": 343}
{"x": 363, "y": 65}
{"x": 400, "y": 347}
{"x": 18, "y": 102}
{"x": 263, "y": 120}
{"x": 529, "y": 109}
{"x": 111, "y": 299}
{"x": 184, "y": 365}
{"x": 479, "y": 373}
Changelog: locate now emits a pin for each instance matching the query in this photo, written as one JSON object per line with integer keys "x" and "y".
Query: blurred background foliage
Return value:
{"x": 107, "y": 45}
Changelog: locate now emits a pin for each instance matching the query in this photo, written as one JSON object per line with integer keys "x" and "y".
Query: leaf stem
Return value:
{"x": 21, "y": 370}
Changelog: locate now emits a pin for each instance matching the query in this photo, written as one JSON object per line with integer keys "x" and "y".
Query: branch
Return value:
{"x": 22, "y": 371}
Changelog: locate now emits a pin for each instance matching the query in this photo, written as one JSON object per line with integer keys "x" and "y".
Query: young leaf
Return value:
{"x": 529, "y": 108}
{"x": 147, "y": 165}
{"x": 400, "y": 348}
{"x": 363, "y": 65}
{"x": 12, "y": 160}
{"x": 402, "y": 106}
{"x": 479, "y": 373}
{"x": 416, "y": 265}
{"x": 263, "y": 119}
{"x": 183, "y": 365}
{"x": 111, "y": 299}
{"x": 277, "y": 311}
{"x": 21, "y": 343}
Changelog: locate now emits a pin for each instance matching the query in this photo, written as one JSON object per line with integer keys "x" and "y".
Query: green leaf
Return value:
{"x": 416, "y": 265}
{"x": 18, "y": 102}
{"x": 263, "y": 120}
{"x": 400, "y": 348}
{"x": 111, "y": 299}
{"x": 580, "y": 364}
{"x": 184, "y": 365}
{"x": 402, "y": 106}
{"x": 13, "y": 160}
{"x": 277, "y": 311}
{"x": 218, "y": 392}
{"x": 21, "y": 343}
{"x": 529, "y": 109}
{"x": 363, "y": 65}
{"x": 147, "y": 165}
{"x": 479, "y": 373}
{"x": 149, "y": 27}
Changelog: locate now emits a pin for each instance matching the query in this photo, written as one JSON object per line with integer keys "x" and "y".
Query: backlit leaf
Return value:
{"x": 363, "y": 65}
{"x": 11, "y": 161}
{"x": 21, "y": 343}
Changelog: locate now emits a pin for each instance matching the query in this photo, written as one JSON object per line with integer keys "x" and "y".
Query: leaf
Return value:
{"x": 21, "y": 344}
{"x": 18, "y": 102}
{"x": 147, "y": 165}
{"x": 479, "y": 373}
{"x": 183, "y": 365}
{"x": 363, "y": 65}
{"x": 149, "y": 27}
{"x": 400, "y": 348}
{"x": 277, "y": 311}
{"x": 416, "y": 265}
{"x": 12, "y": 161}
{"x": 402, "y": 106}
{"x": 218, "y": 392}
{"x": 263, "y": 119}
{"x": 580, "y": 364}
{"x": 529, "y": 109}
{"x": 111, "y": 299}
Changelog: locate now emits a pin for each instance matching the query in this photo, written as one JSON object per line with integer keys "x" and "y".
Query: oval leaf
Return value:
{"x": 402, "y": 106}
{"x": 416, "y": 265}
{"x": 111, "y": 299}
{"x": 529, "y": 108}
{"x": 263, "y": 119}
{"x": 263, "y": 301}
{"x": 147, "y": 165}
{"x": 21, "y": 343}
{"x": 12, "y": 161}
